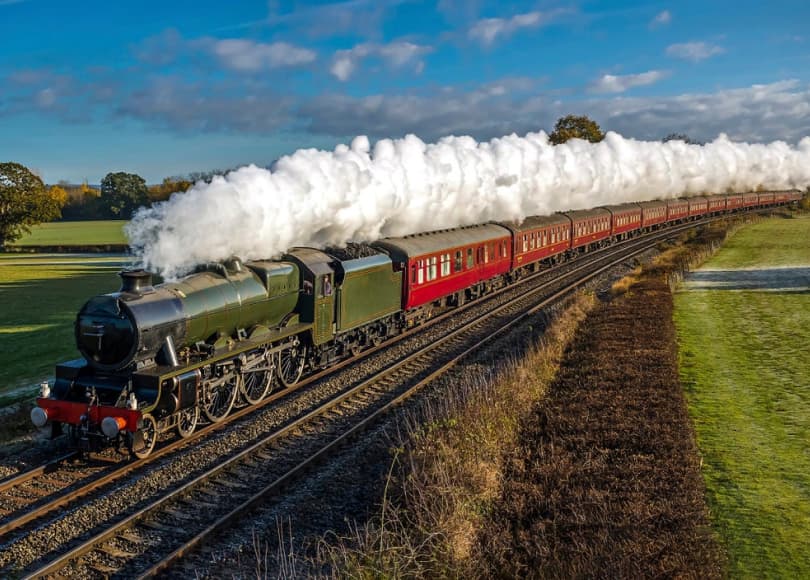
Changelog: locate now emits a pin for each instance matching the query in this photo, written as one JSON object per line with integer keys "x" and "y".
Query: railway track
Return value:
{"x": 28, "y": 497}
{"x": 170, "y": 525}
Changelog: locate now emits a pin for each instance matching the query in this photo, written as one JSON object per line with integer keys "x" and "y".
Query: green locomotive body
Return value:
{"x": 350, "y": 303}
{"x": 158, "y": 357}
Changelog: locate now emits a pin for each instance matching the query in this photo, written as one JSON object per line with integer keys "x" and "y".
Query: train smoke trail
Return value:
{"x": 402, "y": 186}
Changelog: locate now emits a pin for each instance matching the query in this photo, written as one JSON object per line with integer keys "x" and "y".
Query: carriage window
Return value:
{"x": 421, "y": 272}
{"x": 470, "y": 258}
{"x": 485, "y": 250}
{"x": 445, "y": 264}
{"x": 431, "y": 275}
{"x": 459, "y": 264}
{"x": 413, "y": 274}
{"x": 525, "y": 242}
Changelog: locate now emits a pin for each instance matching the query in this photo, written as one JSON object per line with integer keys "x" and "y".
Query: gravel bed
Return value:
{"x": 28, "y": 451}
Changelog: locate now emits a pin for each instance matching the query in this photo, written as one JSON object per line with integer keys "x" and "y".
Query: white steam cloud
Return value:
{"x": 402, "y": 186}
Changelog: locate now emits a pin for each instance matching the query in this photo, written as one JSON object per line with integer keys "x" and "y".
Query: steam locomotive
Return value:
{"x": 160, "y": 358}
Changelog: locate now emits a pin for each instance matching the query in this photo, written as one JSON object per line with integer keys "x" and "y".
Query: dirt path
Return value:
{"x": 606, "y": 481}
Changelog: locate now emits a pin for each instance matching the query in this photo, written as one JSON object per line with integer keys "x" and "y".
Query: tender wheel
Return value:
{"x": 255, "y": 386}
{"x": 376, "y": 338}
{"x": 187, "y": 420}
{"x": 219, "y": 396}
{"x": 149, "y": 433}
{"x": 291, "y": 364}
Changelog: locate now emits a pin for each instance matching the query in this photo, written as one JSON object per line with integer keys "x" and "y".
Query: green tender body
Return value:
{"x": 217, "y": 304}
{"x": 369, "y": 290}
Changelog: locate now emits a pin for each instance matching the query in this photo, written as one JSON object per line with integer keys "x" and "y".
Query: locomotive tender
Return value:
{"x": 156, "y": 358}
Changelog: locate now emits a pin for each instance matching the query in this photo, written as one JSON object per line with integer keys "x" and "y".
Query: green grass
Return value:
{"x": 746, "y": 370}
{"x": 75, "y": 234}
{"x": 40, "y": 295}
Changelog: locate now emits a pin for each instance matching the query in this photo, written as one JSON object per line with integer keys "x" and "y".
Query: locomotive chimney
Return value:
{"x": 135, "y": 281}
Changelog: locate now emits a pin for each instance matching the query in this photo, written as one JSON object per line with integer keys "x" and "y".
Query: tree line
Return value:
{"x": 117, "y": 197}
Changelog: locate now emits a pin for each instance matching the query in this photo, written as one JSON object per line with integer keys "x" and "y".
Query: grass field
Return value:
{"x": 744, "y": 327}
{"x": 75, "y": 234}
{"x": 40, "y": 296}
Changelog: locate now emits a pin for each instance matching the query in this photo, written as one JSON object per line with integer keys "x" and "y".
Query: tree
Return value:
{"x": 680, "y": 137}
{"x": 170, "y": 185}
{"x": 122, "y": 193}
{"x": 24, "y": 202}
{"x": 58, "y": 195}
{"x": 576, "y": 127}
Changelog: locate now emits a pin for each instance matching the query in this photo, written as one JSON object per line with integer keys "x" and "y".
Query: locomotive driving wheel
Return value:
{"x": 149, "y": 433}
{"x": 255, "y": 386}
{"x": 291, "y": 364}
{"x": 187, "y": 420}
{"x": 219, "y": 396}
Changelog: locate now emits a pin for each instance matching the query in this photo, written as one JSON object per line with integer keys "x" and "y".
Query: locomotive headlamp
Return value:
{"x": 111, "y": 426}
{"x": 39, "y": 416}
{"x": 44, "y": 390}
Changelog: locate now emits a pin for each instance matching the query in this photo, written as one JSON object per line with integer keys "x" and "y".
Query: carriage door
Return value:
{"x": 324, "y": 307}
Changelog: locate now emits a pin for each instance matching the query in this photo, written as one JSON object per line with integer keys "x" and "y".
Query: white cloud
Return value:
{"x": 694, "y": 51}
{"x": 249, "y": 56}
{"x": 621, "y": 83}
{"x": 46, "y": 98}
{"x": 756, "y": 113}
{"x": 396, "y": 54}
{"x": 661, "y": 19}
{"x": 487, "y": 30}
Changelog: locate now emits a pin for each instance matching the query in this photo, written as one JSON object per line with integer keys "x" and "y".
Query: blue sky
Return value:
{"x": 167, "y": 87}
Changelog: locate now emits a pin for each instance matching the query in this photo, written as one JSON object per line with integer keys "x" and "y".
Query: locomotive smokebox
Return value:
{"x": 136, "y": 282}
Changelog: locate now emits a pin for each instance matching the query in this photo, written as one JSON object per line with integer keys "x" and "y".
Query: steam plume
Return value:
{"x": 402, "y": 186}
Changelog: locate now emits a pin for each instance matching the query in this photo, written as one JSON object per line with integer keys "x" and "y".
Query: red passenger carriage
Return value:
{"x": 766, "y": 198}
{"x": 750, "y": 199}
{"x": 717, "y": 204}
{"x": 539, "y": 238}
{"x": 626, "y": 218}
{"x": 652, "y": 213}
{"x": 698, "y": 206}
{"x": 441, "y": 265}
{"x": 677, "y": 210}
{"x": 590, "y": 226}
{"x": 734, "y": 201}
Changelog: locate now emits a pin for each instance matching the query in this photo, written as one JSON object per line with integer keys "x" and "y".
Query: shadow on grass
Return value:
{"x": 788, "y": 280}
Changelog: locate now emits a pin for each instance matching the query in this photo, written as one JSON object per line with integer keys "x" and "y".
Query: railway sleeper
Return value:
{"x": 115, "y": 552}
